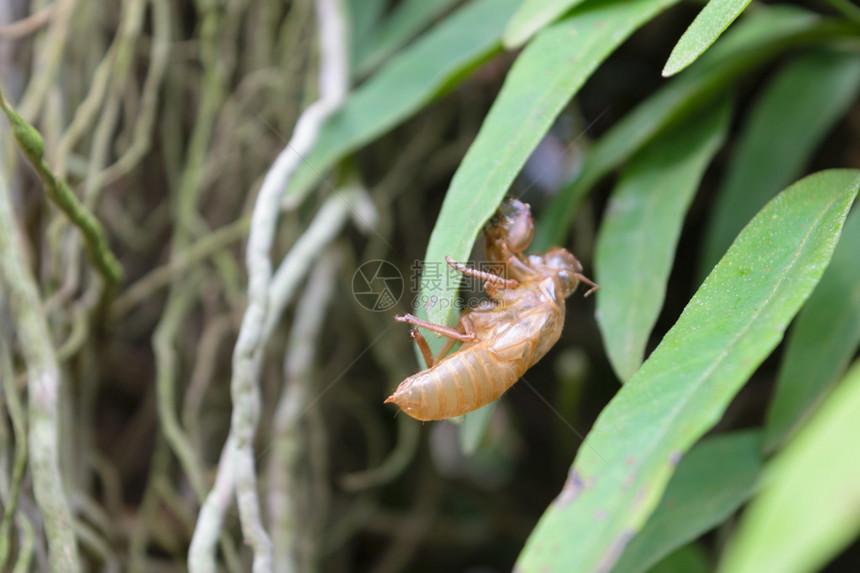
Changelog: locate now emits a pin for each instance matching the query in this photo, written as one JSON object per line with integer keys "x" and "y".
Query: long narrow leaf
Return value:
{"x": 405, "y": 85}
{"x": 712, "y": 21}
{"x": 822, "y": 341}
{"x": 639, "y": 234}
{"x": 544, "y": 78}
{"x": 807, "y": 510}
{"x": 364, "y": 16}
{"x": 531, "y": 17}
{"x": 542, "y": 81}
{"x": 784, "y": 128}
{"x": 733, "y": 322}
{"x": 712, "y": 482}
{"x": 407, "y": 19}
{"x": 754, "y": 41}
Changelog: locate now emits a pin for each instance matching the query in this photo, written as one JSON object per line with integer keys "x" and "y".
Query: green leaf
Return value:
{"x": 541, "y": 82}
{"x": 732, "y": 323}
{"x": 404, "y": 86}
{"x": 543, "y": 79}
{"x": 531, "y": 17}
{"x": 751, "y": 43}
{"x": 711, "y": 22}
{"x": 785, "y": 127}
{"x": 688, "y": 559}
{"x": 407, "y": 19}
{"x": 807, "y": 511}
{"x": 364, "y": 16}
{"x": 639, "y": 234}
{"x": 712, "y": 482}
{"x": 822, "y": 341}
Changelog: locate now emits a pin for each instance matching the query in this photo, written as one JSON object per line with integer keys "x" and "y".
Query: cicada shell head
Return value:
{"x": 565, "y": 267}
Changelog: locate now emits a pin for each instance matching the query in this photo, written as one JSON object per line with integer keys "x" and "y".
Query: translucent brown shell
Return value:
{"x": 501, "y": 340}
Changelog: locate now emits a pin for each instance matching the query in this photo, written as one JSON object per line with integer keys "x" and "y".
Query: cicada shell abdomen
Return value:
{"x": 482, "y": 371}
{"x": 465, "y": 381}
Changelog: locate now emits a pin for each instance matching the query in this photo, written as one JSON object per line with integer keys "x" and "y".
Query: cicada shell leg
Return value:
{"x": 423, "y": 346}
{"x": 515, "y": 265}
{"x": 437, "y": 328}
{"x": 489, "y": 278}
